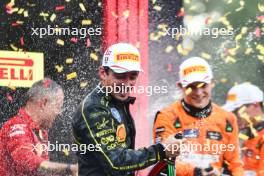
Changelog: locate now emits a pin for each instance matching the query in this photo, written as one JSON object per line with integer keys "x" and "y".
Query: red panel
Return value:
{"x": 133, "y": 25}
{"x": 122, "y": 22}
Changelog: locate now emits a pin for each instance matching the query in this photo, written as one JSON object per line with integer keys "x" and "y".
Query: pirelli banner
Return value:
{"x": 20, "y": 69}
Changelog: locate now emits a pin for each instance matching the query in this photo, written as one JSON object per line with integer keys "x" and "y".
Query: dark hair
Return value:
{"x": 42, "y": 88}
{"x": 106, "y": 69}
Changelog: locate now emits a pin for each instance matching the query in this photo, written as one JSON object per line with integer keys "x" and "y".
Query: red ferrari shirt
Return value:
{"x": 23, "y": 146}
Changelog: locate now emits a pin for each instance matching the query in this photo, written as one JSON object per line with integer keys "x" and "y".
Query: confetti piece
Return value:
{"x": 60, "y": 42}
{"x": 94, "y": 56}
{"x": 69, "y": 60}
{"x": 83, "y": 84}
{"x": 208, "y": 20}
{"x": 9, "y": 97}
{"x": 169, "y": 67}
{"x": 200, "y": 85}
{"x": 206, "y": 55}
{"x": 157, "y": 8}
{"x": 260, "y": 48}
{"x": 188, "y": 91}
{"x": 126, "y": 14}
{"x": 238, "y": 37}
{"x": 46, "y": 83}
{"x": 181, "y": 13}
{"x": 13, "y": 47}
{"x": 20, "y": 11}
{"x": 230, "y": 59}
{"x": 243, "y": 136}
{"x": 58, "y": 8}
{"x": 65, "y": 152}
{"x": 67, "y": 21}
{"x": 261, "y": 7}
{"x": 223, "y": 80}
{"x": 260, "y": 57}
{"x": 59, "y": 68}
{"x": 258, "y": 118}
{"x": 114, "y": 14}
{"x": 74, "y": 40}
{"x": 88, "y": 42}
{"x": 244, "y": 30}
{"x": 25, "y": 13}
{"x": 169, "y": 49}
{"x": 248, "y": 51}
{"x": 82, "y": 7}
{"x": 162, "y": 26}
{"x": 22, "y": 41}
{"x": 52, "y": 17}
{"x": 86, "y": 22}
{"x": 71, "y": 75}
{"x": 257, "y": 32}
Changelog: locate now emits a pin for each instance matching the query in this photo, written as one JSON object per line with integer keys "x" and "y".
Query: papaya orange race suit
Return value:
{"x": 209, "y": 141}
{"x": 253, "y": 149}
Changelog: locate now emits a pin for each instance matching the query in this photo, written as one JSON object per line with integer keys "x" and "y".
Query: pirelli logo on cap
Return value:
{"x": 20, "y": 69}
{"x": 193, "y": 69}
{"x": 126, "y": 57}
{"x": 231, "y": 97}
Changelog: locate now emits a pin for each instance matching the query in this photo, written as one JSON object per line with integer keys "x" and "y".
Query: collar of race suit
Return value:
{"x": 197, "y": 112}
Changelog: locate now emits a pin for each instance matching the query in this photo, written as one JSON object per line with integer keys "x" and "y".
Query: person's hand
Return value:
{"x": 74, "y": 169}
{"x": 211, "y": 172}
{"x": 172, "y": 146}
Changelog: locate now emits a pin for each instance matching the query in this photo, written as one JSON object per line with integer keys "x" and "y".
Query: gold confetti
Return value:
{"x": 83, "y": 84}
{"x": 52, "y": 17}
{"x": 59, "y": 68}
{"x": 67, "y": 21}
{"x": 14, "y": 47}
{"x": 223, "y": 80}
{"x": 260, "y": 57}
{"x": 60, "y": 42}
{"x": 94, "y": 56}
{"x": 82, "y": 7}
{"x": 248, "y": 51}
{"x": 169, "y": 49}
{"x": 69, "y": 60}
{"x": 238, "y": 37}
{"x": 230, "y": 59}
{"x": 86, "y": 22}
{"x": 157, "y": 8}
{"x": 25, "y": 13}
{"x": 188, "y": 91}
{"x": 66, "y": 152}
{"x": 261, "y": 7}
{"x": 260, "y": 48}
{"x": 206, "y": 55}
{"x": 114, "y": 14}
{"x": 258, "y": 118}
{"x": 243, "y": 136}
{"x": 162, "y": 26}
{"x": 200, "y": 85}
{"x": 20, "y": 11}
{"x": 71, "y": 75}
{"x": 126, "y": 14}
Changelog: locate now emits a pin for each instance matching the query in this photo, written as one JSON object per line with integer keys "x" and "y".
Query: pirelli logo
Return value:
{"x": 20, "y": 69}
{"x": 198, "y": 68}
{"x": 126, "y": 57}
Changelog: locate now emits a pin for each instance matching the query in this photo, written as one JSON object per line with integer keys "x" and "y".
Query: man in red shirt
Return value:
{"x": 24, "y": 138}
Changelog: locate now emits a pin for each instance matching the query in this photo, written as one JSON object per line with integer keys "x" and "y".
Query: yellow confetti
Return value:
{"x": 206, "y": 55}
{"x": 242, "y": 3}
{"x": 244, "y": 30}
{"x": 94, "y": 56}
{"x": 67, "y": 21}
{"x": 181, "y": 50}
{"x": 248, "y": 51}
{"x": 52, "y": 17}
{"x": 241, "y": 110}
{"x": 82, "y": 7}
{"x": 71, "y": 75}
{"x": 126, "y": 13}
{"x": 223, "y": 80}
{"x": 230, "y": 59}
{"x": 232, "y": 51}
{"x": 114, "y": 14}
{"x": 261, "y": 7}
{"x": 193, "y": 8}
{"x": 86, "y": 22}
{"x": 154, "y": 37}
{"x": 169, "y": 49}
{"x": 83, "y": 84}
{"x": 66, "y": 152}
{"x": 258, "y": 118}
{"x": 20, "y": 22}
{"x": 20, "y": 11}
{"x": 260, "y": 57}
{"x": 25, "y": 13}
{"x": 60, "y": 42}
{"x": 260, "y": 48}
{"x": 157, "y": 8}
{"x": 238, "y": 37}
{"x": 162, "y": 26}
{"x": 200, "y": 85}
{"x": 188, "y": 91}
{"x": 59, "y": 68}
{"x": 137, "y": 45}
{"x": 69, "y": 60}
{"x": 243, "y": 136}
{"x": 14, "y": 47}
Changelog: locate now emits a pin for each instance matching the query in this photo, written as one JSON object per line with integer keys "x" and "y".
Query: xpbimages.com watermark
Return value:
{"x": 60, "y": 31}
{"x": 58, "y": 147}
{"x": 122, "y": 88}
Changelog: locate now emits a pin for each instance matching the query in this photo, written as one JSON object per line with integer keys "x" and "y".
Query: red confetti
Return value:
{"x": 8, "y": 9}
{"x": 207, "y": 20}
{"x": 260, "y": 17}
{"x": 15, "y": 24}
{"x": 22, "y": 41}
{"x": 181, "y": 13}
{"x": 60, "y": 8}
{"x": 258, "y": 32}
{"x": 74, "y": 40}
{"x": 88, "y": 42}
{"x": 46, "y": 83}
{"x": 169, "y": 67}
{"x": 9, "y": 97}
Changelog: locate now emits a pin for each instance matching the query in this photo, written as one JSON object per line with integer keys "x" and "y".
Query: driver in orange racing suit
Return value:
{"x": 210, "y": 131}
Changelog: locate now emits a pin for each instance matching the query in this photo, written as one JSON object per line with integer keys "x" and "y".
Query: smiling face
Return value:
{"x": 197, "y": 94}
{"x": 121, "y": 83}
